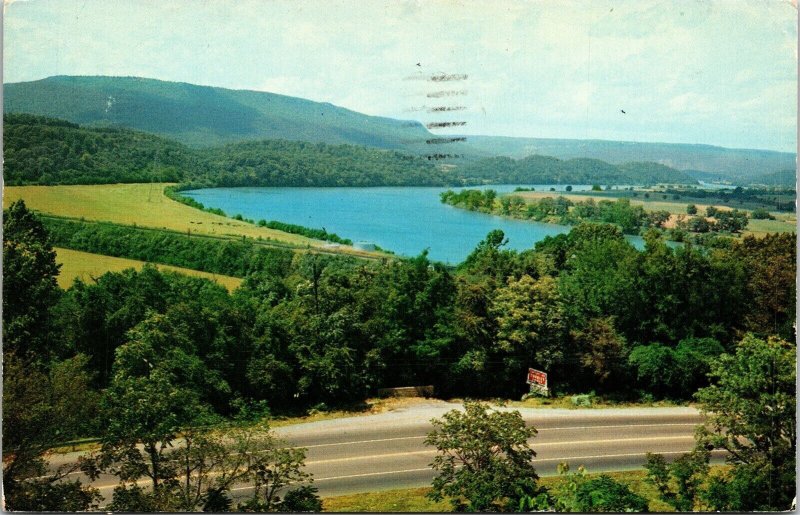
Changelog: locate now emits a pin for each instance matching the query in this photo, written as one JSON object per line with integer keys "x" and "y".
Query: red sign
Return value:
{"x": 537, "y": 377}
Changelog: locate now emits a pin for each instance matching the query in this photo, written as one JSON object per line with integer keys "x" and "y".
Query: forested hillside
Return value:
{"x": 47, "y": 151}
{"x": 41, "y": 150}
{"x": 539, "y": 169}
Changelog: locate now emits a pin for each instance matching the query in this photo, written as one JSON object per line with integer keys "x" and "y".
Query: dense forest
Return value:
{"x": 308, "y": 330}
{"x": 47, "y": 151}
{"x": 330, "y": 326}
{"x": 538, "y": 169}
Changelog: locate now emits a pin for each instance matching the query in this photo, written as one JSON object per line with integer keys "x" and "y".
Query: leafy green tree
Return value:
{"x": 691, "y": 209}
{"x": 699, "y": 224}
{"x": 750, "y": 407}
{"x": 679, "y": 483}
{"x": 211, "y": 460}
{"x": 604, "y": 494}
{"x": 530, "y": 324}
{"x": 603, "y": 350}
{"x": 761, "y": 214}
{"x": 150, "y": 399}
{"x": 40, "y": 410}
{"x": 655, "y": 368}
{"x": 29, "y": 283}
{"x": 693, "y": 357}
{"x": 489, "y": 258}
{"x": 771, "y": 283}
{"x": 484, "y": 460}
{"x": 600, "y": 276}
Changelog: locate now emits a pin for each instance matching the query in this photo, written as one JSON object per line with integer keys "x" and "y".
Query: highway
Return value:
{"x": 386, "y": 451}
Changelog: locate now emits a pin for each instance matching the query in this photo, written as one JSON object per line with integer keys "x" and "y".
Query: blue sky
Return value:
{"x": 722, "y": 73}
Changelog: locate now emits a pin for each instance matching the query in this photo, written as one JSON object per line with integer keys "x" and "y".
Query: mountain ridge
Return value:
{"x": 206, "y": 116}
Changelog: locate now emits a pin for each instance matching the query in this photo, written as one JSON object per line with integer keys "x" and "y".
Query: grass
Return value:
{"x": 146, "y": 205}
{"x": 415, "y": 500}
{"x": 76, "y": 264}
{"x": 783, "y": 223}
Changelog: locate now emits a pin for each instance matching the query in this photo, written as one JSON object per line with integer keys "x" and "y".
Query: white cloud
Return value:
{"x": 535, "y": 68}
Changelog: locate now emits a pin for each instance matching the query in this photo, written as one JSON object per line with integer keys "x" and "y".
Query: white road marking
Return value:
{"x": 399, "y": 438}
{"x": 433, "y": 451}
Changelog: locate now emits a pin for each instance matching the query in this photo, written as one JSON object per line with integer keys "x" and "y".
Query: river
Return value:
{"x": 405, "y": 220}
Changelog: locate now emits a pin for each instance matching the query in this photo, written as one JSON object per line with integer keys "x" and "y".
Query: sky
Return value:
{"x": 683, "y": 71}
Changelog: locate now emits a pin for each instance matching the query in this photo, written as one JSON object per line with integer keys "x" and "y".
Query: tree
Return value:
{"x": 484, "y": 460}
{"x": 530, "y": 324}
{"x": 568, "y": 188}
{"x": 691, "y": 209}
{"x": 149, "y": 401}
{"x": 655, "y": 368}
{"x": 679, "y": 482}
{"x": 603, "y": 350}
{"x": 39, "y": 410}
{"x": 751, "y": 414}
{"x": 29, "y": 283}
{"x": 771, "y": 287}
{"x": 761, "y": 214}
{"x": 211, "y": 460}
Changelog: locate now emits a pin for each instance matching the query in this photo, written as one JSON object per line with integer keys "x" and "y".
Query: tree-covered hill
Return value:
{"x": 292, "y": 163}
{"x": 546, "y": 170}
{"x": 738, "y": 164}
{"x": 41, "y": 150}
{"x": 201, "y": 115}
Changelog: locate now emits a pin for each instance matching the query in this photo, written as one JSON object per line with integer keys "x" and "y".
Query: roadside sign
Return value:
{"x": 537, "y": 377}
{"x": 538, "y": 382}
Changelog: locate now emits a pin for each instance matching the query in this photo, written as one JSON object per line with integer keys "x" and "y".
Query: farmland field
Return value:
{"x": 146, "y": 205}
{"x": 76, "y": 264}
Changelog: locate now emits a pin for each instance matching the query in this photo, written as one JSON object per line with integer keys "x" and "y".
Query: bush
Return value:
{"x": 761, "y": 214}
{"x": 582, "y": 399}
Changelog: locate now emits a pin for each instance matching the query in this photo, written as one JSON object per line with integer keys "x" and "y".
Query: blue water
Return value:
{"x": 405, "y": 220}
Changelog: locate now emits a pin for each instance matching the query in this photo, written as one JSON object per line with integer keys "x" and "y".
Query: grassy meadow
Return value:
{"x": 145, "y": 205}
{"x": 83, "y": 265}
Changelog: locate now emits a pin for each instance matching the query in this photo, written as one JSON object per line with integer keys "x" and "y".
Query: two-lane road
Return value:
{"x": 385, "y": 451}
{"x": 362, "y": 454}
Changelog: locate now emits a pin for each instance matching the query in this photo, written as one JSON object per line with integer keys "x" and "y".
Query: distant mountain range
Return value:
{"x": 202, "y": 116}
{"x": 718, "y": 162}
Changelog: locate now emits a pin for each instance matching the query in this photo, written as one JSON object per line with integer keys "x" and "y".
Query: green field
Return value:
{"x": 145, "y": 205}
{"x": 76, "y": 264}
